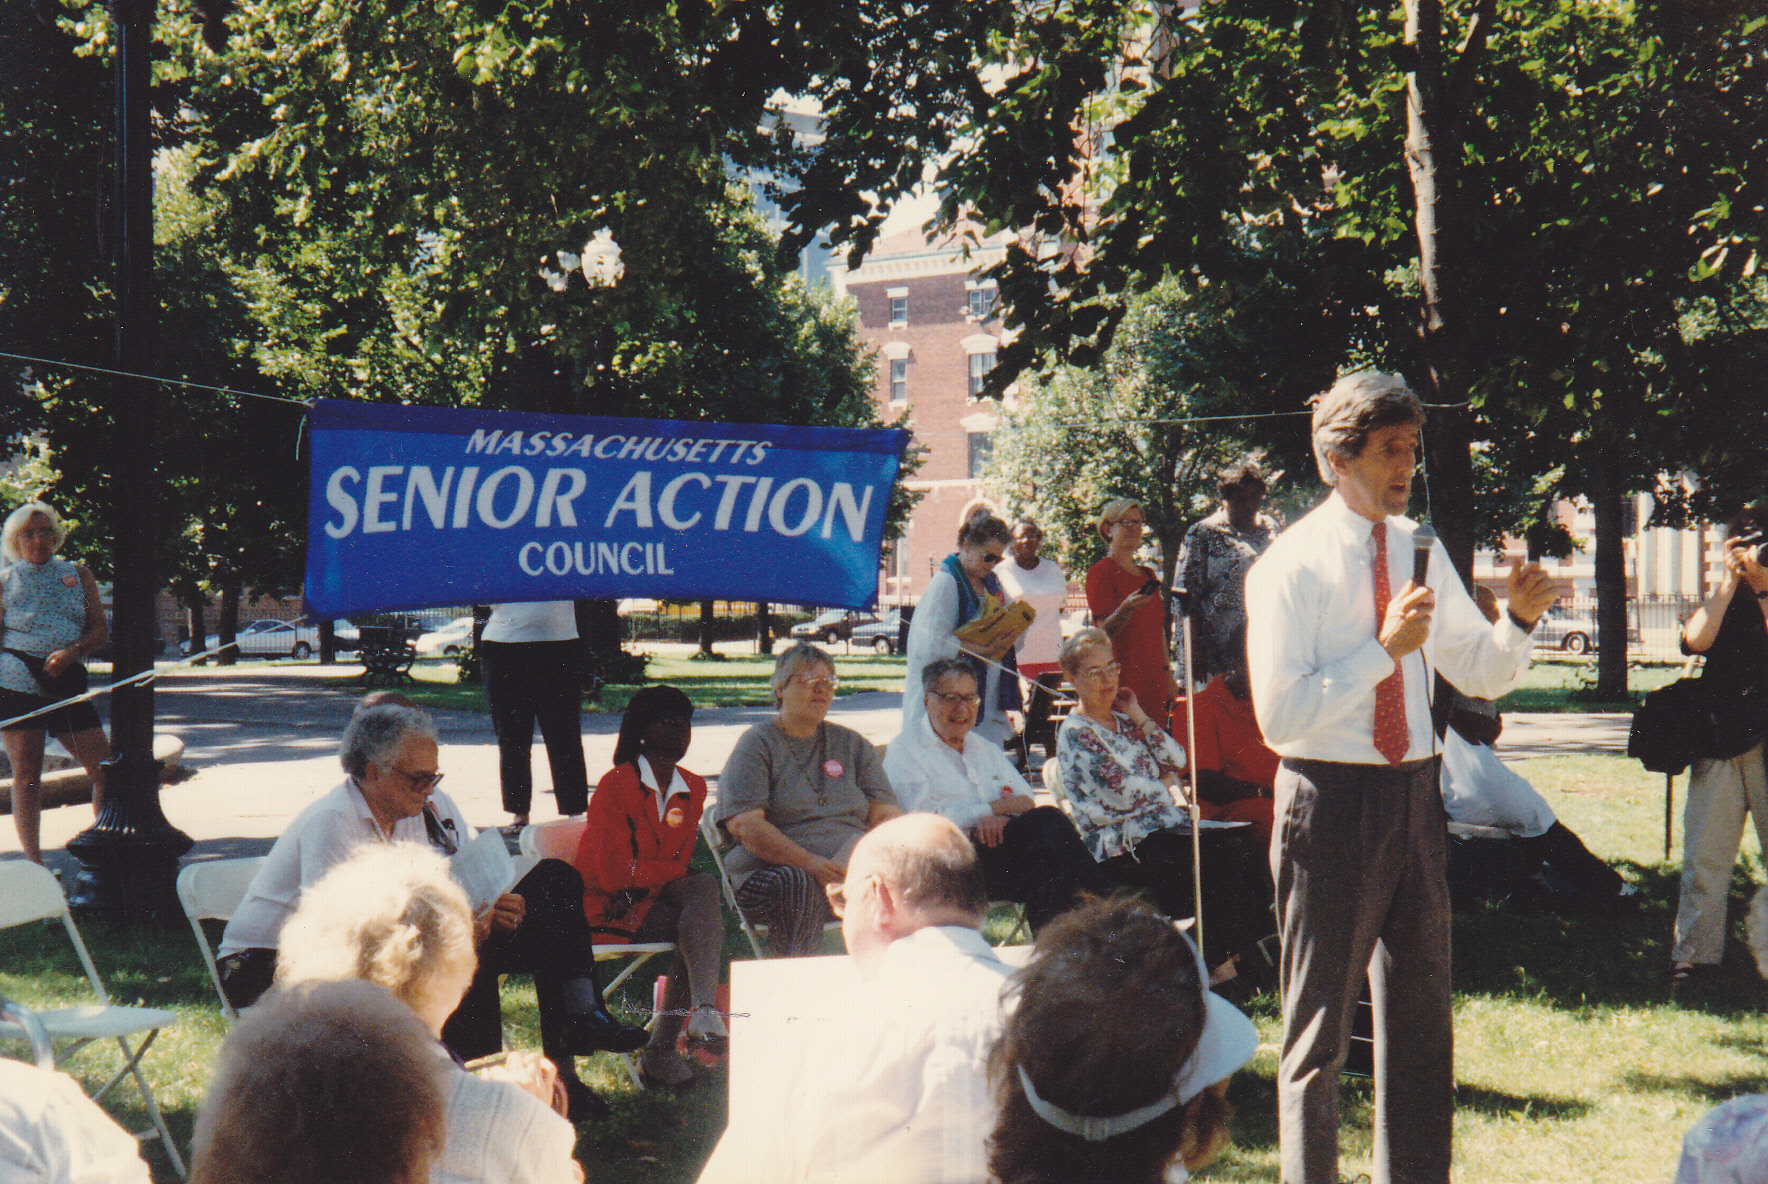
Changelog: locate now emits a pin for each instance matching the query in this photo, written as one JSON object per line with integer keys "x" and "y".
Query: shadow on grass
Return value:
{"x": 1498, "y": 1104}
{"x": 1585, "y": 960}
{"x": 1707, "y": 1090}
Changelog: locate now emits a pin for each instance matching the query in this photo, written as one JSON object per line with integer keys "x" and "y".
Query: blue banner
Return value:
{"x": 420, "y": 506}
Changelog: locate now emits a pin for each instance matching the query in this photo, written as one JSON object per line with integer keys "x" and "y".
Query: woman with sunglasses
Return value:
{"x": 963, "y": 589}
{"x": 1124, "y": 598}
{"x": 633, "y": 857}
{"x": 1120, "y": 771}
{"x": 796, "y": 795}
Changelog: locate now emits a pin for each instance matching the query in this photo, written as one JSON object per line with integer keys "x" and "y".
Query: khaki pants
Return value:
{"x": 1358, "y": 857}
{"x": 1719, "y": 794}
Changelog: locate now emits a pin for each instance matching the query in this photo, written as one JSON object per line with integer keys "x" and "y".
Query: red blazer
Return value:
{"x": 624, "y": 845}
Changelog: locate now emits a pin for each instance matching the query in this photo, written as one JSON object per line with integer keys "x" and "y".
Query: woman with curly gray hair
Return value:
{"x": 392, "y": 915}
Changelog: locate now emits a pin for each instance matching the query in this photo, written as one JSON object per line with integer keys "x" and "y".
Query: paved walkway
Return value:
{"x": 262, "y": 742}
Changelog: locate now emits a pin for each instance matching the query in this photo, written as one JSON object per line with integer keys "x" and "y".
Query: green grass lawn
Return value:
{"x": 1572, "y": 1062}
{"x": 1553, "y": 685}
{"x": 739, "y": 681}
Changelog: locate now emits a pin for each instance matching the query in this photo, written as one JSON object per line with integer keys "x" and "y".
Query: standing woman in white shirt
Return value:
{"x": 533, "y": 666}
{"x": 1037, "y": 580}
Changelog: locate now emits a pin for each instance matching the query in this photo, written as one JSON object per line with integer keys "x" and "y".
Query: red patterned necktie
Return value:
{"x": 1391, "y": 736}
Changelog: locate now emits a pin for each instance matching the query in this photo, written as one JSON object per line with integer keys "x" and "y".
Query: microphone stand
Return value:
{"x": 1182, "y": 598}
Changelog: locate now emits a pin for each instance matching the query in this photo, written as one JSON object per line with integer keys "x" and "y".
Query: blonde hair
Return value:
{"x": 1114, "y": 509}
{"x": 1074, "y": 647}
{"x": 323, "y": 1083}
{"x": 390, "y": 914}
{"x": 15, "y": 522}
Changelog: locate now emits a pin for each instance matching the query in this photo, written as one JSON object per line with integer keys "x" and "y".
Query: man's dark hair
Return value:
{"x": 937, "y": 669}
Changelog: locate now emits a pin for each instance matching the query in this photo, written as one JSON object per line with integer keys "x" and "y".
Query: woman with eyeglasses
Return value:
{"x": 637, "y": 841}
{"x": 796, "y": 795}
{"x": 963, "y": 589}
{"x": 1124, "y": 598}
{"x": 1120, "y": 771}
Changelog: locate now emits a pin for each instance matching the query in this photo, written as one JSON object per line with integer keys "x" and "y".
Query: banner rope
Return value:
{"x": 201, "y": 386}
{"x": 146, "y": 676}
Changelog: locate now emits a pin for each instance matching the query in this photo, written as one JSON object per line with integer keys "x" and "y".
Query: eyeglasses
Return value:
{"x": 1095, "y": 673}
{"x": 837, "y": 894}
{"x": 826, "y": 683}
{"x": 990, "y": 558}
{"x": 953, "y": 698}
{"x": 1138, "y": 523}
{"x": 418, "y": 780}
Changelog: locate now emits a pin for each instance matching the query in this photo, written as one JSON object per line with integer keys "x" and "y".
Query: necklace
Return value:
{"x": 809, "y": 772}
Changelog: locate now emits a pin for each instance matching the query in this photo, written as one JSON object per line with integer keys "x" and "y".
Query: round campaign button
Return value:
{"x": 675, "y": 817}
{"x": 833, "y": 767}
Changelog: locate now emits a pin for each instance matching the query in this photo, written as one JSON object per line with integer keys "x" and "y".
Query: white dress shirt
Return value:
{"x": 904, "y": 1098}
{"x": 647, "y": 777}
{"x": 321, "y": 837}
{"x": 1313, "y": 655}
{"x": 931, "y": 777}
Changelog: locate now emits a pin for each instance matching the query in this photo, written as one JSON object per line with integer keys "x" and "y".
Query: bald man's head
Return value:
{"x": 383, "y": 699}
{"x": 927, "y": 875}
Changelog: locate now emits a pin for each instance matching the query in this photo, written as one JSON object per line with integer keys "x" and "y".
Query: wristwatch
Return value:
{"x": 1518, "y": 622}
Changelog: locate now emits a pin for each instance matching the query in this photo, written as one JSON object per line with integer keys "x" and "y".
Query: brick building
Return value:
{"x": 936, "y": 329}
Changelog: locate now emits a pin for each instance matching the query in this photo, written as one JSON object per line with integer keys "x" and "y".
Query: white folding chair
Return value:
{"x": 210, "y": 891}
{"x": 558, "y": 840}
{"x": 714, "y": 842}
{"x": 28, "y": 892}
{"x": 1053, "y": 783}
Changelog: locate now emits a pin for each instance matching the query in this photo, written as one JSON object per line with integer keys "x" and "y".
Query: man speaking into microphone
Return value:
{"x": 1341, "y": 647}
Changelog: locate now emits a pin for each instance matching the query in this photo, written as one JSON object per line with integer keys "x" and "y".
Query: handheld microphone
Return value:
{"x": 1423, "y": 539}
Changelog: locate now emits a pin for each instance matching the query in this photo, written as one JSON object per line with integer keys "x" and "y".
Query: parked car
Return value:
{"x": 449, "y": 640}
{"x": 836, "y": 624}
{"x": 1572, "y": 630}
{"x": 269, "y": 639}
{"x": 880, "y": 633}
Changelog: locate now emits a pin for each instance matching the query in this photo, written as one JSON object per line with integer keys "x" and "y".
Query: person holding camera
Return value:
{"x": 1731, "y": 630}
{"x": 1124, "y": 598}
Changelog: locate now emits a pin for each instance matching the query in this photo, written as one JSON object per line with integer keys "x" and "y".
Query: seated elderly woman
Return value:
{"x": 796, "y": 794}
{"x": 637, "y": 841}
{"x": 391, "y": 914}
{"x": 1114, "y": 1064}
{"x": 390, "y": 754}
{"x": 1029, "y": 853}
{"x": 1119, "y": 770}
{"x": 318, "y": 1076}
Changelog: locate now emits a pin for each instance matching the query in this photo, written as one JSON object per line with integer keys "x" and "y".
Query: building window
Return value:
{"x": 980, "y": 365}
{"x": 899, "y": 381}
{"x": 981, "y": 303}
{"x": 899, "y": 311}
{"x": 981, "y": 449}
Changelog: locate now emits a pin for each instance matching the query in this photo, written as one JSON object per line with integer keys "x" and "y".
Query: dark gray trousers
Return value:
{"x": 1358, "y": 857}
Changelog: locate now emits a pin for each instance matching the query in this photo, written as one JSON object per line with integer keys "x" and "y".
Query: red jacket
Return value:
{"x": 624, "y": 845}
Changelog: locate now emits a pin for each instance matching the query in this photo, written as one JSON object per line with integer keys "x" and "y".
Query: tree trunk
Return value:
{"x": 199, "y": 630}
{"x": 228, "y": 628}
{"x": 1436, "y": 98}
{"x": 763, "y": 628}
{"x": 706, "y": 619}
{"x": 1611, "y": 584}
{"x": 328, "y": 643}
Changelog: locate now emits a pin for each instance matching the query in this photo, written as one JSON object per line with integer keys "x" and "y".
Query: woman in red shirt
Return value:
{"x": 643, "y": 820}
{"x": 1134, "y": 619}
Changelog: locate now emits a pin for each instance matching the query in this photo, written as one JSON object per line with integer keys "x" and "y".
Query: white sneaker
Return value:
{"x": 706, "y": 1027}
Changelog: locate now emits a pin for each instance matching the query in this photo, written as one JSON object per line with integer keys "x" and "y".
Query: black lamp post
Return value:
{"x": 129, "y": 856}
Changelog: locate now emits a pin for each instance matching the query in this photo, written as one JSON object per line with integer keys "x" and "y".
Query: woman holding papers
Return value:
{"x": 965, "y": 607}
{"x": 1120, "y": 772}
{"x": 643, "y": 820}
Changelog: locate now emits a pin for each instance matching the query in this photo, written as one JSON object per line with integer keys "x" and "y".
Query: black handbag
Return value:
{"x": 67, "y": 684}
{"x": 1673, "y": 728}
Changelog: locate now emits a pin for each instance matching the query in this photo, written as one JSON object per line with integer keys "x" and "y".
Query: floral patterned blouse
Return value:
{"x": 1112, "y": 780}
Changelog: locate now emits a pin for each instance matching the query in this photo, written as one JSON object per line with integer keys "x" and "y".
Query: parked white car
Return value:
{"x": 282, "y": 639}
{"x": 449, "y": 640}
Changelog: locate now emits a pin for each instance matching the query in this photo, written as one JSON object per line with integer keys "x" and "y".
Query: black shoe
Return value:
{"x": 597, "y": 1031}
{"x": 584, "y": 1103}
